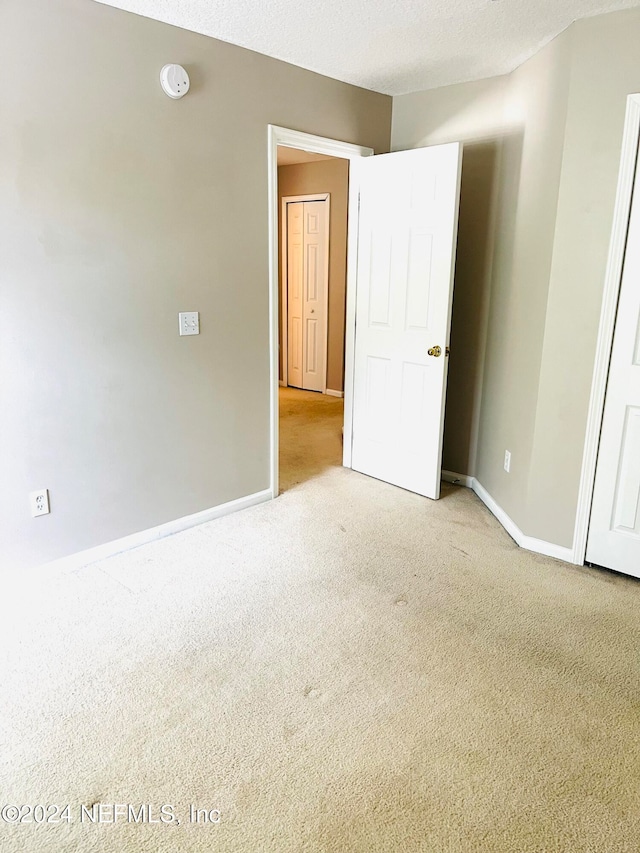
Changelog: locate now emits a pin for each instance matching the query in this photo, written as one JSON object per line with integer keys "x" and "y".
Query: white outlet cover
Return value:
{"x": 189, "y": 322}
{"x": 39, "y": 502}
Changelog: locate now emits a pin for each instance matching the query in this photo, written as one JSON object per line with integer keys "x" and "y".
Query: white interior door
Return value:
{"x": 307, "y": 293}
{"x": 614, "y": 531}
{"x": 406, "y": 253}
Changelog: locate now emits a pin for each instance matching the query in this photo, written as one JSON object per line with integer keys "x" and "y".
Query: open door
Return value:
{"x": 404, "y": 287}
{"x": 614, "y": 531}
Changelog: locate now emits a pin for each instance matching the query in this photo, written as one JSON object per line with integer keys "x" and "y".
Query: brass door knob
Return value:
{"x": 435, "y": 351}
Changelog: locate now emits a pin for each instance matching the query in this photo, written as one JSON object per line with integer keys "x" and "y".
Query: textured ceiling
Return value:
{"x": 391, "y": 46}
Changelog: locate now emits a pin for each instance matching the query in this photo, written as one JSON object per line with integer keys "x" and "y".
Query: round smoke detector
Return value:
{"x": 174, "y": 81}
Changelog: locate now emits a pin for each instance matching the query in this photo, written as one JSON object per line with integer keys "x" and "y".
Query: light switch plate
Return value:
{"x": 189, "y": 323}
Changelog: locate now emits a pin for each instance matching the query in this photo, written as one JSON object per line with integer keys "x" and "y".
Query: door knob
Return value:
{"x": 435, "y": 351}
{"x": 313, "y": 310}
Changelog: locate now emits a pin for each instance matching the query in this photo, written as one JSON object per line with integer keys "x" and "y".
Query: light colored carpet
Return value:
{"x": 348, "y": 668}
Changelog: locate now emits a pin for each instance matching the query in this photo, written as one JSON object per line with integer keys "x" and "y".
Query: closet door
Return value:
{"x": 295, "y": 291}
{"x": 307, "y": 292}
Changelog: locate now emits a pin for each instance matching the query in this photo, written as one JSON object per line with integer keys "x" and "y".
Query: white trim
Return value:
{"x": 117, "y": 546}
{"x": 311, "y": 197}
{"x": 331, "y": 393}
{"x": 613, "y": 277}
{"x": 540, "y": 546}
{"x": 288, "y": 138}
{"x": 274, "y": 377}
{"x": 529, "y": 543}
{"x": 318, "y": 145}
{"x": 284, "y": 292}
{"x": 350, "y": 311}
{"x": 283, "y": 330}
{"x": 457, "y": 479}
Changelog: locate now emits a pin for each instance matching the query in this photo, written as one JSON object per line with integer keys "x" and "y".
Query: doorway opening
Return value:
{"x": 402, "y": 228}
{"x": 305, "y": 146}
{"x": 313, "y": 192}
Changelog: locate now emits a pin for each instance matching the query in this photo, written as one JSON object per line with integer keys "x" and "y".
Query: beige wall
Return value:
{"x": 119, "y": 208}
{"x": 559, "y": 145}
{"x": 604, "y": 70}
{"x": 535, "y": 116}
{"x": 471, "y": 113}
{"x": 512, "y": 128}
{"x": 327, "y": 176}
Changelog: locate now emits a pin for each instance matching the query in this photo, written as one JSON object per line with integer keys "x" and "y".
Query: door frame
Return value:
{"x": 284, "y": 292}
{"x": 612, "y": 285}
{"x": 335, "y": 148}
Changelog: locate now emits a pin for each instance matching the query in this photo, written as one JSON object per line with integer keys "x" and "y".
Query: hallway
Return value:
{"x": 310, "y": 435}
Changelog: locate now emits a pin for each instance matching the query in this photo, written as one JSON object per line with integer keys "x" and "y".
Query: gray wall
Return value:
{"x": 558, "y": 135}
{"x": 604, "y": 70}
{"x": 118, "y": 209}
{"x": 471, "y": 113}
{"x": 326, "y": 176}
{"x": 532, "y": 149}
{"x": 512, "y": 128}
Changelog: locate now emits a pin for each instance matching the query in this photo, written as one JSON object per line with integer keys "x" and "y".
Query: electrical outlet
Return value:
{"x": 507, "y": 461}
{"x": 189, "y": 323}
{"x": 39, "y": 502}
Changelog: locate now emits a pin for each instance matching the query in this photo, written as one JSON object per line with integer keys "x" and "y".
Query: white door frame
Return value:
{"x": 613, "y": 280}
{"x": 317, "y": 145}
{"x": 284, "y": 295}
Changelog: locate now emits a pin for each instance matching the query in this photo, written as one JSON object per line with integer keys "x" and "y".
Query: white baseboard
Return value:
{"x": 117, "y": 546}
{"x": 529, "y": 543}
{"x": 457, "y": 479}
{"x": 329, "y": 391}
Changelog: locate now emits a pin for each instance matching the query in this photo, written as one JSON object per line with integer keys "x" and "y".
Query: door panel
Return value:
{"x": 377, "y": 392}
{"x": 406, "y": 250}
{"x": 614, "y": 532}
{"x": 311, "y": 353}
{"x": 419, "y": 281}
{"x": 379, "y": 272}
{"x": 627, "y": 495}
